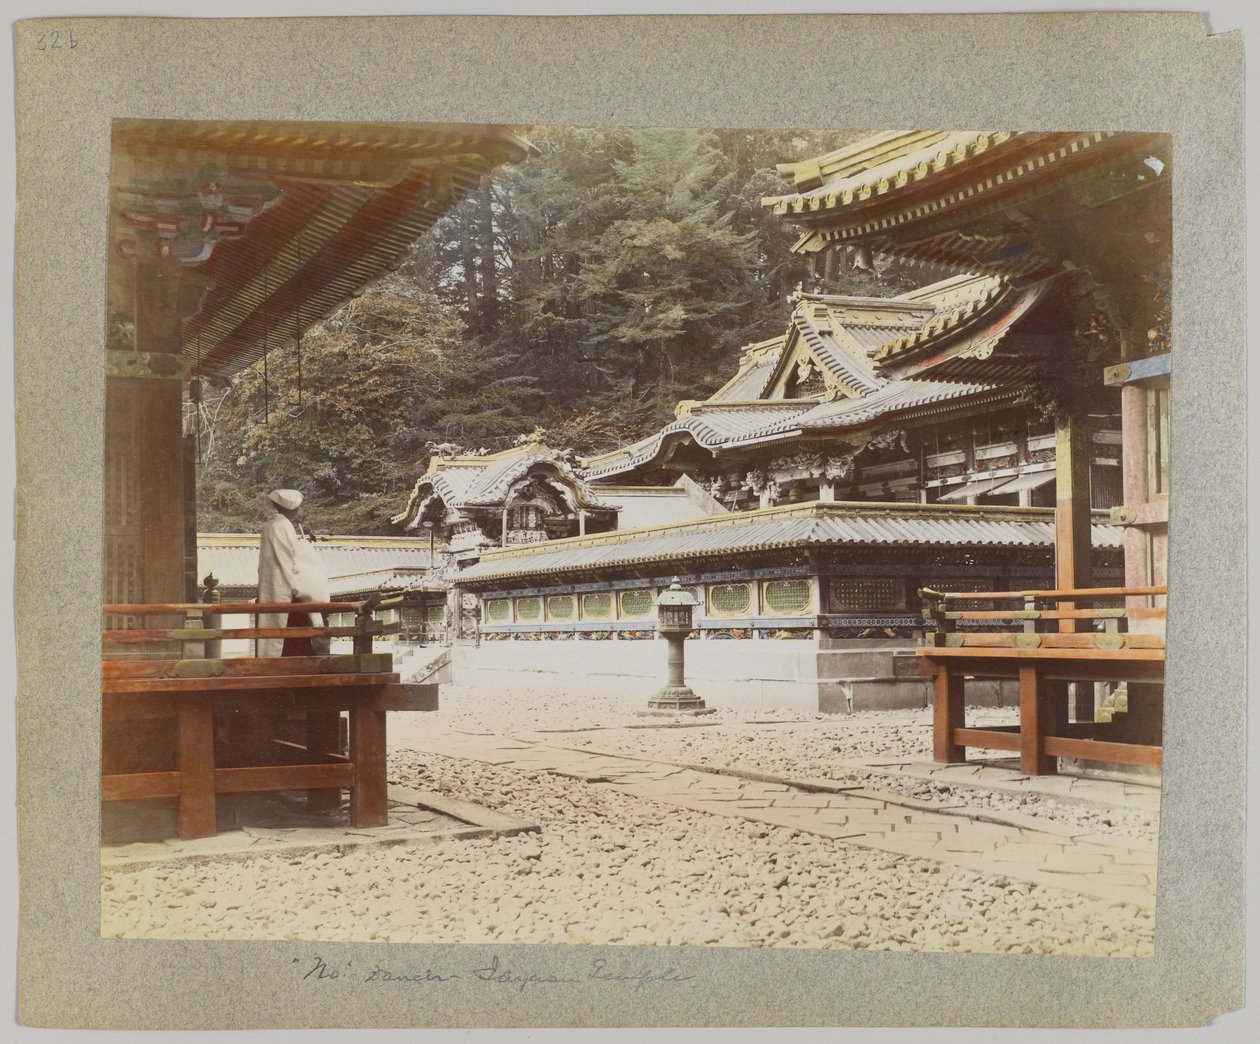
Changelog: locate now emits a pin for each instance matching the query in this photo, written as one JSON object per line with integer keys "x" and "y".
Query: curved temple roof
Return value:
{"x": 875, "y": 358}
{"x": 904, "y": 187}
{"x": 814, "y": 524}
{"x": 487, "y": 482}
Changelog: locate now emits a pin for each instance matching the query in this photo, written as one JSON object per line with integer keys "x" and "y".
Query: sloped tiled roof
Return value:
{"x": 933, "y": 195}
{"x": 855, "y": 340}
{"x": 755, "y": 371}
{"x": 801, "y": 525}
{"x": 878, "y": 166}
{"x": 492, "y": 485}
{"x": 896, "y": 397}
{"x": 485, "y": 482}
{"x": 711, "y": 426}
{"x": 842, "y": 366}
{"x": 884, "y": 167}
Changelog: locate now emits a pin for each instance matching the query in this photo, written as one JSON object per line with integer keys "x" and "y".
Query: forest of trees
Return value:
{"x": 585, "y": 291}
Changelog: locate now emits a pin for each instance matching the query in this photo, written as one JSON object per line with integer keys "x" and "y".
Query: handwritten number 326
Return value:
{"x": 56, "y": 41}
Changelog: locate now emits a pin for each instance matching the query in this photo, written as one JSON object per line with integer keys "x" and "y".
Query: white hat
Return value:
{"x": 285, "y": 498}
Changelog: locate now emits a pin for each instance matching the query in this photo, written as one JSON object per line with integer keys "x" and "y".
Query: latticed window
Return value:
{"x": 730, "y": 599}
{"x": 636, "y": 604}
{"x": 412, "y": 616}
{"x": 867, "y": 593}
{"x": 969, "y": 604}
{"x": 498, "y": 610}
{"x": 597, "y": 605}
{"x": 528, "y": 608}
{"x": 437, "y": 614}
{"x": 787, "y": 596}
{"x": 560, "y": 607}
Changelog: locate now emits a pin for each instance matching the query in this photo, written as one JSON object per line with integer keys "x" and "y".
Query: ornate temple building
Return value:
{"x": 519, "y": 496}
{"x": 927, "y": 397}
{"x": 1092, "y": 208}
{"x": 966, "y": 436}
{"x": 878, "y": 446}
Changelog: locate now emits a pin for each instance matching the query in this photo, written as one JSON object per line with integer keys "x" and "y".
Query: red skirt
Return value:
{"x": 297, "y": 646}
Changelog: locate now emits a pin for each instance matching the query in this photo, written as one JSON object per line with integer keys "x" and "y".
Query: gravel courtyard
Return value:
{"x": 607, "y": 866}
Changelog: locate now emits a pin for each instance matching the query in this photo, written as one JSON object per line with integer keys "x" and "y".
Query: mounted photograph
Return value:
{"x": 656, "y": 537}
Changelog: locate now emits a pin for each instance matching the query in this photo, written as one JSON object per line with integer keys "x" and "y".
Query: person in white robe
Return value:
{"x": 289, "y": 570}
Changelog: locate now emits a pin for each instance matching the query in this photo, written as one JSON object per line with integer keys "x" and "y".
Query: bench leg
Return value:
{"x": 947, "y": 715}
{"x": 1036, "y": 722}
{"x": 323, "y": 736}
{"x": 196, "y": 769}
{"x": 368, "y": 800}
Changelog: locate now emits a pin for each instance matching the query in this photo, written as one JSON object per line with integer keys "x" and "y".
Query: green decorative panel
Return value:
{"x": 636, "y": 604}
{"x": 560, "y": 607}
{"x": 596, "y": 606}
{"x": 437, "y": 614}
{"x": 851, "y": 592}
{"x": 528, "y": 609}
{"x": 788, "y": 597}
{"x": 730, "y": 599}
{"x": 498, "y": 610}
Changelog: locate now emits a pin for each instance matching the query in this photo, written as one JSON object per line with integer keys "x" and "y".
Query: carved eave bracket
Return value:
{"x": 185, "y": 218}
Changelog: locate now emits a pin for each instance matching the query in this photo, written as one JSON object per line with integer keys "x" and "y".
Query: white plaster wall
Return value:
{"x": 748, "y": 675}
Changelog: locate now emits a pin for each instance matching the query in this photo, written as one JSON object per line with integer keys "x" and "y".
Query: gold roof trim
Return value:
{"x": 949, "y": 322}
{"x": 809, "y": 509}
{"x": 1037, "y": 163}
{"x": 885, "y": 164}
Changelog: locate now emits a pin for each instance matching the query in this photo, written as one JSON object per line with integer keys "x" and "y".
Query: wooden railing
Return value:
{"x": 141, "y": 681}
{"x": 1049, "y": 639}
{"x": 195, "y": 631}
{"x": 1027, "y": 620}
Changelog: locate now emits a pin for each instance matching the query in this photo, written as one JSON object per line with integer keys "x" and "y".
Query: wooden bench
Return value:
{"x": 142, "y": 681}
{"x": 1102, "y": 649}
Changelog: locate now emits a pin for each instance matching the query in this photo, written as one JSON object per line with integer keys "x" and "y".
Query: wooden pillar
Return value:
{"x": 323, "y": 736}
{"x": 146, "y": 491}
{"x": 163, "y": 485}
{"x": 192, "y": 585}
{"x": 196, "y": 768}
{"x": 1135, "y": 478}
{"x": 948, "y": 714}
{"x": 1036, "y": 718}
{"x": 369, "y": 797}
{"x": 1071, "y": 512}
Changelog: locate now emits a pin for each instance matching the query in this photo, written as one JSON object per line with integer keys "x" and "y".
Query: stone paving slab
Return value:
{"x": 455, "y": 808}
{"x": 277, "y": 823}
{"x": 867, "y": 818}
{"x": 331, "y": 833}
{"x": 1078, "y": 789}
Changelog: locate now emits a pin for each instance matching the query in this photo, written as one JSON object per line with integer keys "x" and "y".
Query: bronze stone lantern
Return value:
{"x": 674, "y": 609}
